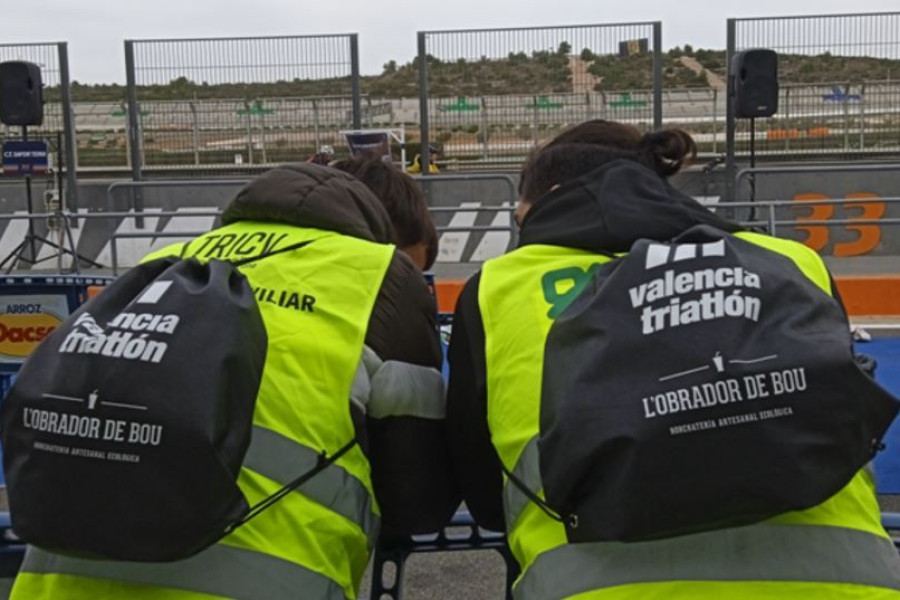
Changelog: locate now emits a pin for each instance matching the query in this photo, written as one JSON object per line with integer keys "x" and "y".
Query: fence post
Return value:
{"x": 729, "y": 114}
{"x": 484, "y": 129}
{"x": 787, "y": 118}
{"x": 134, "y": 114}
{"x": 315, "y": 104}
{"x": 424, "y": 156}
{"x": 354, "y": 81}
{"x": 715, "y": 120}
{"x": 195, "y": 128}
{"x": 249, "y": 132}
{"x": 846, "y": 119}
{"x": 135, "y": 135}
{"x": 262, "y": 135}
{"x": 862, "y": 117}
{"x": 71, "y": 156}
{"x": 657, "y": 76}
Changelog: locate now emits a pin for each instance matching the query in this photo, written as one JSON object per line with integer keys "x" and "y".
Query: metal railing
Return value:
{"x": 484, "y": 97}
{"x": 499, "y": 189}
{"x": 769, "y": 221}
{"x": 545, "y": 66}
{"x": 472, "y": 212}
{"x": 206, "y": 102}
{"x": 210, "y": 133}
{"x": 838, "y": 117}
{"x": 455, "y": 205}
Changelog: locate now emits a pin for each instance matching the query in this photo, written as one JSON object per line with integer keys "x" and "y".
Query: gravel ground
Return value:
{"x": 475, "y": 575}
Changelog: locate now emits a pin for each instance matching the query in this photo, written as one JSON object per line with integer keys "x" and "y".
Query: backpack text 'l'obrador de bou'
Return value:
{"x": 701, "y": 384}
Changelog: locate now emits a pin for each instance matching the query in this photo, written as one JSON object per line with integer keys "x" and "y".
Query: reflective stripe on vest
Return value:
{"x": 219, "y": 571}
{"x": 305, "y": 392}
{"x": 397, "y": 389}
{"x": 797, "y": 553}
{"x": 402, "y": 389}
{"x": 283, "y": 460}
{"x": 528, "y": 472}
{"x": 838, "y": 543}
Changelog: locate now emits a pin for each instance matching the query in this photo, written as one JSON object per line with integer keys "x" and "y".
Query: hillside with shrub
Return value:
{"x": 541, "y": 72}
{"x": 821, "y": 68}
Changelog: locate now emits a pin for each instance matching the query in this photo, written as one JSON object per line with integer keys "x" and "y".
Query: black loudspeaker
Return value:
{"x": 21, "y": 94}
{"x": 754, "y": 83}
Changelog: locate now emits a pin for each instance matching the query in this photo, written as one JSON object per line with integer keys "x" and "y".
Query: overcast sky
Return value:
{"x": 95, "y": 29}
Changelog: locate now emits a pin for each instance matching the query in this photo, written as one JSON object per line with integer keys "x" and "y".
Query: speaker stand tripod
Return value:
{"x": 26, "y": 251}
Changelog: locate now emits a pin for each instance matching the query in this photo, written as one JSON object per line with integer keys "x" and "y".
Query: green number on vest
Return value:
{"x": 561, "y": 287}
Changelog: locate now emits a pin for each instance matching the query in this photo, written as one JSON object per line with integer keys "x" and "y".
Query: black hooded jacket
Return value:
{"x": 408, "y": 455}
{"x": 605, "y": 211}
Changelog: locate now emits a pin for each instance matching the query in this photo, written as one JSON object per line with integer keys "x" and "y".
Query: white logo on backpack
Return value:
{"x": 660, "y": 254}
{"x": 680, "y": 289}
{"x": 154, "y": 292}
{"x": 134, "y": 343}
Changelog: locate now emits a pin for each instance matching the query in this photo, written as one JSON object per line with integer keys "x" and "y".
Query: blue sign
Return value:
{"x": 839, "y": 95}
{"x": 25, "y": 158}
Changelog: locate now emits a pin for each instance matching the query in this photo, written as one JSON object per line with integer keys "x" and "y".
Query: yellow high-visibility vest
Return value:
{"x": 315, "y": 543}
{"x": 837, "y": 550}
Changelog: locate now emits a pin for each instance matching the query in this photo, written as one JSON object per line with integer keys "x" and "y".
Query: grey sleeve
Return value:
{"x": 406, "y": 407}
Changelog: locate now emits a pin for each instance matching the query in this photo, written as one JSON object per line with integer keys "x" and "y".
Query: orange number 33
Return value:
{"x": 818, "y": 236}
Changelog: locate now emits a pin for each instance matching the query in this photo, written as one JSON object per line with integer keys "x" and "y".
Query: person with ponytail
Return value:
{"x": 586, "y": 197}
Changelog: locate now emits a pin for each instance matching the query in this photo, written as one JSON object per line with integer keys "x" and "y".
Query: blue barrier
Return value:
{"x": 886, "y": 352}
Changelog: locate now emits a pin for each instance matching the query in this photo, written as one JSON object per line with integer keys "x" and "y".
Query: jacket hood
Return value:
{"x": 308, "y": 195}
{"x": 610, "y": 208}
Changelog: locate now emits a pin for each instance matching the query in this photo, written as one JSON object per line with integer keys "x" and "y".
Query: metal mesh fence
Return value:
{"x": 701, "y": 111}
{"x": 542, "y": 80}
{"x": 840, "y": 84}
{"x": 58, "y": 127}
{"x": 46, "y": 56}
{"x": 238, "y": 102}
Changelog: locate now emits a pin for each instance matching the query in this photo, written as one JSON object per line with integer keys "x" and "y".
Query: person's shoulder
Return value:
{"x": 790, "y": 248}
{"x": 404, "y": 285}
{"x": 171, "y": 250}
{"x": 805, "y": 258}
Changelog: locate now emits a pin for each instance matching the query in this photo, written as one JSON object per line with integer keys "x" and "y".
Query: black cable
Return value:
{"x": 532, "y": 495}
{"x": 323, "y": 462}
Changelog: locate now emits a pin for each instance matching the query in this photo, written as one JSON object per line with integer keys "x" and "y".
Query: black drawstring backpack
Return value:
{"x": 700, "y": 384}
{"x": 126, "y": 428}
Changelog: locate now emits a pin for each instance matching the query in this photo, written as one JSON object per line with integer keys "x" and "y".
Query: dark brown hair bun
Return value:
{"x": 669, "y": 150}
